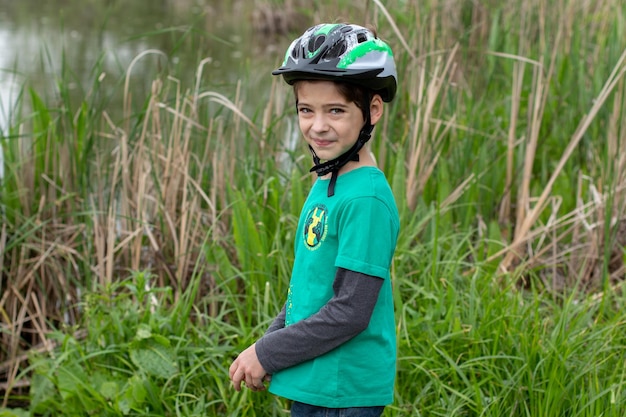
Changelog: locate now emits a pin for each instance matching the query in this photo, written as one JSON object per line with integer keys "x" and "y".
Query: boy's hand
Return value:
{"x": 247, "y": 368}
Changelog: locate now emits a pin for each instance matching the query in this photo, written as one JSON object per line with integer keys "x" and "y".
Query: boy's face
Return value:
{"x": 330, "y": 124}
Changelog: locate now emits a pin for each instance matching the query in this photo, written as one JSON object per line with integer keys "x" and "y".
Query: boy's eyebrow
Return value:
{"x": 337, "y": 104}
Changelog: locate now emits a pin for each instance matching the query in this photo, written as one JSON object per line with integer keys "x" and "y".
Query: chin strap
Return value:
{"x": 334, "y": 165}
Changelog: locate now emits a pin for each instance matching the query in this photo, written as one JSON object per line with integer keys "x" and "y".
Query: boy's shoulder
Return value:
{"x": 362, "y": 182}
{"x": 368, "y": 179}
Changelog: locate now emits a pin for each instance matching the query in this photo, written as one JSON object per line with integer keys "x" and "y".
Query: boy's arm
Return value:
{"x": 247, "y": 367}
{"x": 345, "y": 315}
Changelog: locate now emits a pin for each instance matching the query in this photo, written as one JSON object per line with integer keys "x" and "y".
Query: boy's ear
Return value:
{"x": 376, "y": 108}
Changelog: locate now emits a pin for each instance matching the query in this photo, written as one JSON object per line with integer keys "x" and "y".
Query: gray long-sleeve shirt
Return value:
{"x": 345, "y": 315}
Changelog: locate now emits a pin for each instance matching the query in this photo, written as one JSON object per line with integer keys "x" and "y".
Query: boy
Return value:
{"x": 331, "y": 349}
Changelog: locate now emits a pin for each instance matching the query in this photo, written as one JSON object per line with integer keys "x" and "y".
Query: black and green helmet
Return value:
{"x": 345, "y": 52}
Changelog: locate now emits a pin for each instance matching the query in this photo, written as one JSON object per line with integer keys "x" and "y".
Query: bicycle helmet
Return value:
{"x": 344, "y": 53}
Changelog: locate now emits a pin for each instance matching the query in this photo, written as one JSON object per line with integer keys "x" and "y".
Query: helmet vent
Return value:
{"x": 336, "y": 51}
{"x": 361, "y": 37}
{"x": 295, "y": 49}
{"x": 316, "y": 42}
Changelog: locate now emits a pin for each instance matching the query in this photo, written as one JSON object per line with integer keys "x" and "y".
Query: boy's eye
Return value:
{"x": 336, "y": 111}
{"x": 303, "y": 110}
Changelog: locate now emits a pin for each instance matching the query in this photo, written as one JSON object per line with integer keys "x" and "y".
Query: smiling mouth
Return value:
{"x": 322, "y": 143}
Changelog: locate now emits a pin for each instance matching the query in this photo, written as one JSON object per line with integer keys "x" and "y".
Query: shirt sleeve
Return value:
{"x": 367, "y": 249}
{"x": 345, "y": 315}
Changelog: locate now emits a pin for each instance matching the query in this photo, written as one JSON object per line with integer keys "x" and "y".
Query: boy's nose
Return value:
{"x": 319, "y": 123}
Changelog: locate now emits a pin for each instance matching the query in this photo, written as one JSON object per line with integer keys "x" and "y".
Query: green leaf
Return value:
{"x": 134, "y": 395}
{"x": 154, "y": 359}
{"x": 42, "y": 392}
{"x": 143, "y": 332}
{"x": 70, "y": 378}
{"x": 17, "y": 412}
{"x": 162, "y": 340}
{"x": 109, "y": 390}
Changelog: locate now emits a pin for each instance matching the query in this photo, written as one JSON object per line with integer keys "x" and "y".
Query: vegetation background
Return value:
{"x": 140, "y": 253}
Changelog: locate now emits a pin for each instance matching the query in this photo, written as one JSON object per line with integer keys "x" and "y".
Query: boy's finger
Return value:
{"x": 231, "y": 370}
{"x": 237, "y": 378}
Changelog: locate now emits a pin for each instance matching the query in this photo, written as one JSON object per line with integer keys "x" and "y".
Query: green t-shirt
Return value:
{"x": 355, "y": 229}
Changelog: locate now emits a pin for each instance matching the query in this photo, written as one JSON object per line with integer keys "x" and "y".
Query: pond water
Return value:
{"x": 44, "y": 44}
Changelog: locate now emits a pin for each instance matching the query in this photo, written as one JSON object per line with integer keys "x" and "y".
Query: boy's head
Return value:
{"x": 361, "y": 68}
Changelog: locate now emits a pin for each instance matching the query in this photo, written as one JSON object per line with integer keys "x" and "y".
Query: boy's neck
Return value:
{"x": 366, "y": 158}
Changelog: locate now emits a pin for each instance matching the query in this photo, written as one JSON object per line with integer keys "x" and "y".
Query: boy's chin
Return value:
{"x": 325, "y": 156}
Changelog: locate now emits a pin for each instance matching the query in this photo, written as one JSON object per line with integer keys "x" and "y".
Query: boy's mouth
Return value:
{"x": 322, "y": 142}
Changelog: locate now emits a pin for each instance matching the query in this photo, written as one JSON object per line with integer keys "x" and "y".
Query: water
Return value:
{"x": 73, "y": 43}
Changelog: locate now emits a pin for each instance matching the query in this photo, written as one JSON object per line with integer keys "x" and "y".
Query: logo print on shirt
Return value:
{"x": 289, "y": 307}
{"x": 315, "y": 226}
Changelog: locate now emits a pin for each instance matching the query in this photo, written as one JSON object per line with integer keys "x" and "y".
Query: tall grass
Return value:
{"x": 140, "y": 255}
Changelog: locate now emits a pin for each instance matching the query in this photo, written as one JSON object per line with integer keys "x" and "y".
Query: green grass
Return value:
{"x": 141, "y": 253}
{"x": 467, "y": 347}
